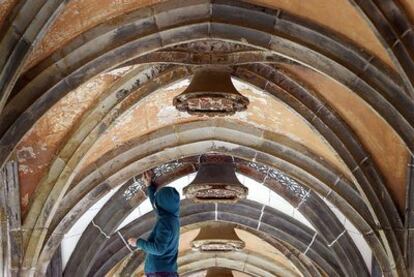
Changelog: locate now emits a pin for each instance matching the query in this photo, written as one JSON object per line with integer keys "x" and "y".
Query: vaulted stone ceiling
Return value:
{"x": 86, "y": 91}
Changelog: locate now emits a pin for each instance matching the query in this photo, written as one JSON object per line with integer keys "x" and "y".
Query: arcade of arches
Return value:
{"x": 325, "y": 146}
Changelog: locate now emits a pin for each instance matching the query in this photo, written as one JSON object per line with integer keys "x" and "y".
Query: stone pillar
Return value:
{"x": 3, "y": 231}
{"x": 409, "y": 219}
{"x": 55, "y": 266}
{"x": 375, "y": 268}
{"x": 11, "y": 235}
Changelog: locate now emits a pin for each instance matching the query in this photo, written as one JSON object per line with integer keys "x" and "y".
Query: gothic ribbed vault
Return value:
{"x": 326, "y": 145}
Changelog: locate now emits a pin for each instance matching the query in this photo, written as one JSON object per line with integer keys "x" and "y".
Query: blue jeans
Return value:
{"x": 162, "y": 274}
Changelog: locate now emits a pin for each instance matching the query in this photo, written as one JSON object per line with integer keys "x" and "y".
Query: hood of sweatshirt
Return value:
{"x": 167, "y": 200}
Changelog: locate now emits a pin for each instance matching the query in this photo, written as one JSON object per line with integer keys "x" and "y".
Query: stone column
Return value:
{"x": 3, "y": 231}
{"x": 409, "y": 219}
{"x": 11, "y": 235}
{"x": 55, "y": 267}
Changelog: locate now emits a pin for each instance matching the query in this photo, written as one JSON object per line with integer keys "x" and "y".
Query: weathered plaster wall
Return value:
{"x": 40, "y": 145}
{"x": 338, "y": 15}
{"x": 408, "y": 6}
{"x": 5, "y": 8}
{"x": 264, "y": 111}
{"x": 386, "y": 147}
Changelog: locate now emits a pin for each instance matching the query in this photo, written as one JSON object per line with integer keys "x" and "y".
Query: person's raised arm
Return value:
{"x": 151, "y": 189}
{"x": 151, "y": 186}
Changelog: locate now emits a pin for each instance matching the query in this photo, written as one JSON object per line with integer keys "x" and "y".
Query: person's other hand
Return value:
{"x": 132, "y": 242}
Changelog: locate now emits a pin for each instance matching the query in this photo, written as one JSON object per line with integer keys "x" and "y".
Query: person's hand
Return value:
{"x": 147, "y": 177}
{"x": 132, "y": 242}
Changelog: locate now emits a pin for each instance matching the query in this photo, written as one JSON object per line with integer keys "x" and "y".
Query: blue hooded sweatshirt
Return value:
{"x": 162, "y": 244}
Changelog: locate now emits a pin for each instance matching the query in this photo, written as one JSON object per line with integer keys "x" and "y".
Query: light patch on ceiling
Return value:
{"x": 25, "y": 169}
{"x": 180, "y": 85}
{"x": 122, "y": 71}
{"x": 24, "y": 153}
{"x": 168, "y": 114}
{"x": 356, "y": 236}
{"x": 253, "y": 91}
{"x": 243, "y": 116}
{"x": 71, "y": 238}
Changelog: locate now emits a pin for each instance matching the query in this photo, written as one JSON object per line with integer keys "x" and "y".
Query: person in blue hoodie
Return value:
{"x": 161, "y": 247}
